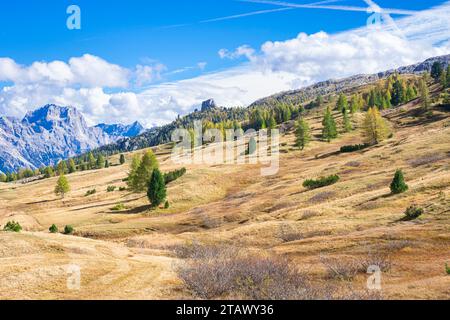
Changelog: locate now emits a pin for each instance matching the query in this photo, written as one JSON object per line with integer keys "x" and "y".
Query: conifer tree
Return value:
{"x": 72, "y": 167}
{"x": 342, "y": 103}
{"x": 156, "y": 191}
{"x": 375, "y": 127}
{"x": 100, "y": 162}
{"x": 398, "y": 184}
{"x": 91, "y": 161}
{"x": 132, "y": 174}
{"x": 329, "y": 130}
{"x": 62, "y": 186}
{"x": 144, "y": 172}
{"x": 122, "y": 159}
{"x": 347, "y": 123}
{"x": 424, "y": 94}
{"x": 302, "y": 134}
{"x": 62, "y": 168}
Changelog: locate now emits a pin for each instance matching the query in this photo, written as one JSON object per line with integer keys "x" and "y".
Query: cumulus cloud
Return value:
{"x": 276, "y": 66}
{"x": 242, "y": 51}
{"x": 88, "y": 71}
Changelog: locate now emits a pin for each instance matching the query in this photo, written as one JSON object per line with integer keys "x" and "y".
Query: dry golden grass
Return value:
{"x": 127, "y": 254}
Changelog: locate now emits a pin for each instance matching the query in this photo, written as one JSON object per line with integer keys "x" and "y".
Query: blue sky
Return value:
{"x": 136, "y": 31}
{"x": 150, "y": 60}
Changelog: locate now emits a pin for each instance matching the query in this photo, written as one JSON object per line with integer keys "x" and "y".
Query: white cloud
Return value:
{"x": 88, "y": 71}
{"x": 276, "y": 66}
{"x": 242, "y": 51}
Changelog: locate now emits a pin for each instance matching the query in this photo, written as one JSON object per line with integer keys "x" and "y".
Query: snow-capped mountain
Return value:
{"x": 45, "y": 136}
{"x": 122, "y": 131}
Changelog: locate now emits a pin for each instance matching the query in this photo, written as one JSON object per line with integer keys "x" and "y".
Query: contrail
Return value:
{"x": 253, "y": 13}
{"x": 333, "y": 7}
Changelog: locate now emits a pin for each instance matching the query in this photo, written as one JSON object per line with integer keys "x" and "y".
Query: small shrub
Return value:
{"x": 53, "y": 229}
{"x": 342, "y": 269}
{"x": 413, "y": 212}
{"x": 174, "y": 175}
{"x": 123, "y": 189}
{"x": 321, "y": 182}
{"x": 353, "y": 148}
{"x": 118, "y": 207}
{"x": 90, "y": 192}
{"x": 166, "y": 205}
{"x": 111, "y": 189}
{"x": 447, "y": 269}
{"x": 68, "y": 229}
{"x": 12, "y": 226}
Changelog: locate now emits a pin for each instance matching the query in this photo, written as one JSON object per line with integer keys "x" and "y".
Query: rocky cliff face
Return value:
{"x": 45, "y": 136}
{"x": 122, "y": 131}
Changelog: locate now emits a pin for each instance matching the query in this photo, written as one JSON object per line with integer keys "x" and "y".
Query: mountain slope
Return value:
{"x": 122, "y": 131}
{"x": 44, "y": 136}
{"x": 162, "y": 134}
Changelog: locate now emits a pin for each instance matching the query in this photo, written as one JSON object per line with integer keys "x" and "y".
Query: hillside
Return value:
{"x": 136, "y": 253}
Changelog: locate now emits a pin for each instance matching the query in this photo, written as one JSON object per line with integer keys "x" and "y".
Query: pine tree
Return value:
{"x": 302, "y": 134}
{"x": 342, "y": 103}
{"x": 91, "y": 161}
{"x": 272, "y": 124}
{"x": 156, "y": 191}
{"x": 347, "y": 123}
{"x": 100, "y": 163}
{"x": 48, "y": 172}
{"x": 410, "y": 95}
{"x": 436, "y": 70}
{"x": 122, "y": 159}
{"x": 329, "y": 130}
{"x": 443, "y": 79}
{"x": 398, "y": 184}
{"x": 72, "y": 167}
{"x": 3, "y": 177}
{"x": 62, "y": 186}
{"x": 62, "y": 168}
{"x": 424, "y": 94}
{"x": 375, "y": 127}
{"x": 144, "y": 172}
{"x": 447, "y": 73}
{"x": 398, "y": 95}
{"x": 132, "y": 174}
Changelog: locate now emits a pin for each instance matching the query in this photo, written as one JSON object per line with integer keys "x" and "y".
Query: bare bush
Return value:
{"x": 288, "y": 234}
{"x": 376, "y": 258}
{"x": 224, "y": 272}
{"x": 426, "y": 159}
{"x": 307, "y": 214}
{"x": 338, "y": 268}
{"x": 322, "y": 196}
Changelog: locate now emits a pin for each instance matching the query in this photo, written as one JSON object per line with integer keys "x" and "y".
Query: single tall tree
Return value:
{"x": 398, "y": 184}
{"x": 424, "y": 94}
{"x": 302, "y": 134}
{"x": 342, "y": 103}
{"x": 144, "y": 172}
{"x": 156, "y": 191}
{"x": 91, "y": 161}
{"x": 62, "y": 186}
{"x": 347, "y": 123}
{"x": 62, "y": 168}
{"x": 100, "y": 163}
{"x": 329, "y": 130}
{"x": 436, "y": 70}
{"x": 132, "y": 174}
{"x": 72, "y": 166}
{"x": 122, "y": 159}
{"x": 375, "y": 127}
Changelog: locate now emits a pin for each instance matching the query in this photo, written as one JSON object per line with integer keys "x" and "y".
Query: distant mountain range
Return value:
{"x": 52, "y": 133}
